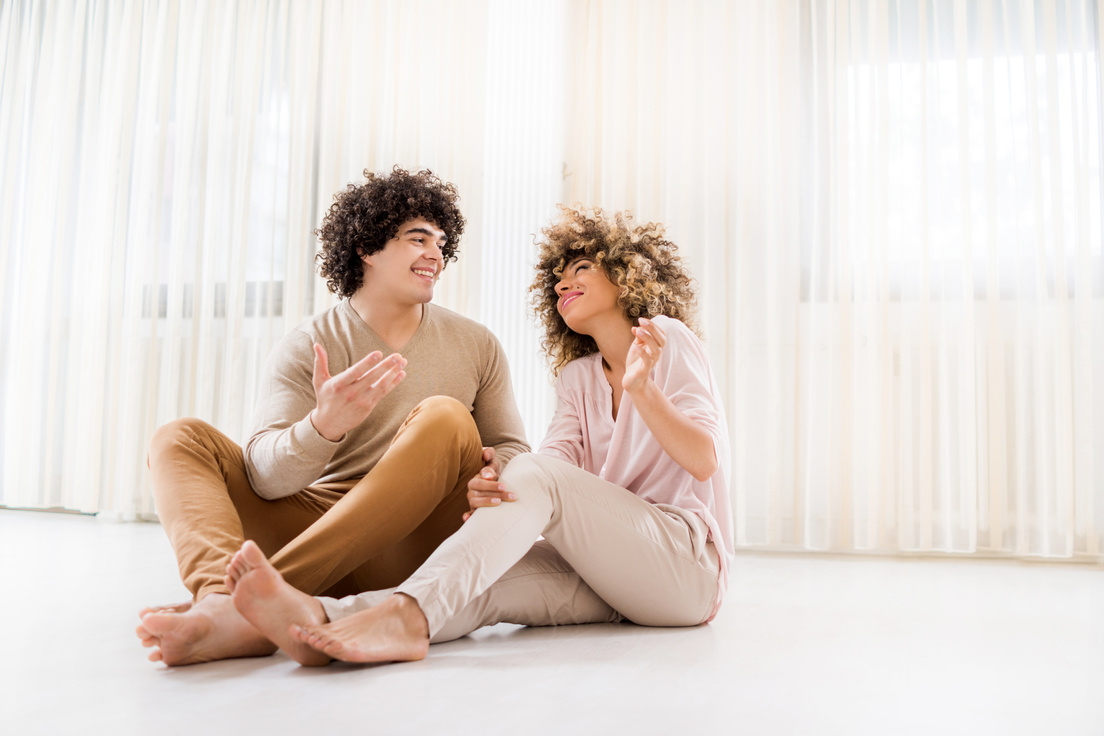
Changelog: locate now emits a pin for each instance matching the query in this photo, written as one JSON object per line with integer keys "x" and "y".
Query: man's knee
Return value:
{"x": 443, "y": 408}
{"x": 174, "y": 433}
{"x": 444, "y": 415}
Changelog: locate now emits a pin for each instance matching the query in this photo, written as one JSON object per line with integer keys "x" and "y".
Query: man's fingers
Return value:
{"x": 358, "y": 369}
{"x": 496, "y": 496}
{"x": 479, "y": 488}
{"x": 477, "y": 499}
{"x": 381, "y": 372}
{"x": 372, "y": 386}
{"x": 479, "y": 484}
{"x": 321, "y": 366}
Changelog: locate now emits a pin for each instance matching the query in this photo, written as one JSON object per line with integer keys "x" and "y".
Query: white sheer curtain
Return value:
{"x": 163, "y": 164}
{"x": 893, "y": 208}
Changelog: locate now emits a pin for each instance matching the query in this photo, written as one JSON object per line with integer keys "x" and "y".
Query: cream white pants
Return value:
{"x": 606, "y": 555}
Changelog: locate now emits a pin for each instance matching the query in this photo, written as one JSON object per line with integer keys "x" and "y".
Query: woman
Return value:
{"x": 628, "y": 489}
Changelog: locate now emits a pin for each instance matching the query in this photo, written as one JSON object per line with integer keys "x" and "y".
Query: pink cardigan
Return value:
{"x": 624, "y": 452}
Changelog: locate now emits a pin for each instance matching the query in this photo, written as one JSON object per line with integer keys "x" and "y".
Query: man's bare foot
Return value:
{"x": 209, "y": 630}
{"x": 394, "y": 631}
{"x": 169, "y": 608}
{"x": 272, "y": 605}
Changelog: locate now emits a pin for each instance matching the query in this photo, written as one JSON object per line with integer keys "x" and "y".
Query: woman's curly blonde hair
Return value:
{"x": 645, "y": 267}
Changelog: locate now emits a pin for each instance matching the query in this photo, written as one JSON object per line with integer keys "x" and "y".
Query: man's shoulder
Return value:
{"x": 318, "y": 328}
{"x": 324, "y": 321}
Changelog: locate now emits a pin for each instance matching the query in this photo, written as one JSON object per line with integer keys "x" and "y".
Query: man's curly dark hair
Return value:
{"x": 365, "y": 216}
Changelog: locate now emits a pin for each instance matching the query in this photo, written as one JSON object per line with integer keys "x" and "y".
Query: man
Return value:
{"x": 372, "y": 418}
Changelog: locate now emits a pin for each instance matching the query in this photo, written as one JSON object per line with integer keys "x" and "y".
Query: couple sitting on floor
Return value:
{"x": 387, "y": 493}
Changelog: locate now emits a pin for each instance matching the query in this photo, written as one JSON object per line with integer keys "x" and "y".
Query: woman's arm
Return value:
{"x": 686, "y": 441}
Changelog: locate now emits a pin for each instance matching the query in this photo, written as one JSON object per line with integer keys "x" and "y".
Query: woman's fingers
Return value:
{"x": 655, "y": 331}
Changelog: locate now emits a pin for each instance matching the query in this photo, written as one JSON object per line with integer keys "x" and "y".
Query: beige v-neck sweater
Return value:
{"x": 449, "y": 355}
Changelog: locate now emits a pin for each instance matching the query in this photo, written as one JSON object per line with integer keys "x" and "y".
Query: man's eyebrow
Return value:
{"x": 426, "y": 231}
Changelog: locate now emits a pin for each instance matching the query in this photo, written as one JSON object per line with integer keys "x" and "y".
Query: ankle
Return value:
{"x": 411, "y": 614}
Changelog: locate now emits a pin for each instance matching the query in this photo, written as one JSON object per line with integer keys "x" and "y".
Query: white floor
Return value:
{"x": 804, "y": 645}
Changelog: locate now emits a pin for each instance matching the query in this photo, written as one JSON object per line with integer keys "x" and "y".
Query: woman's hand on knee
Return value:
{"x": 485, "y": 488}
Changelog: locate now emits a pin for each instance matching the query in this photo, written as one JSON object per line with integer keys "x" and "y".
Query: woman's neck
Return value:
{"x": 614, "y": 338}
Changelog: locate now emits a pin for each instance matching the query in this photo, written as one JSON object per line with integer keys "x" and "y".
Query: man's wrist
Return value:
{"x": 321, "y": 430}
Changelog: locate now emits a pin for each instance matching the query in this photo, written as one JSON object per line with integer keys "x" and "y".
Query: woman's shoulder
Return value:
{"x": 671, "y": 324}
{"x": 676, "y": 330}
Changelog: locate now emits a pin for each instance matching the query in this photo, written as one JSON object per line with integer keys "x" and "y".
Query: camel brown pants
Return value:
{"x": 338, "y": 538}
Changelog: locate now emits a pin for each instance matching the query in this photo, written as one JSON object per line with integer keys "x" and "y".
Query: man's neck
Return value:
{"x": 394, "y": 323}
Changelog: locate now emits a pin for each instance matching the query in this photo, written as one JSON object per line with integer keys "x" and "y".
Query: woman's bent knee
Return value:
{"x": 525, "y": 469}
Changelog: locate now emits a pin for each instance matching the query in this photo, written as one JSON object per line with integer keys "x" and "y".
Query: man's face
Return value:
{"x": 409, "y": 264}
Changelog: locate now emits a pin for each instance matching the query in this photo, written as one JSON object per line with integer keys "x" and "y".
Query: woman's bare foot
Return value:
{"x": 209, "y": 630}
{"x": 273, "y": 606}
{"x": 394, "y": 631}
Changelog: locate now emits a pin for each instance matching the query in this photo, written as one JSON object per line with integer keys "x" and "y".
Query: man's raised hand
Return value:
{"x": 345, "y": 400}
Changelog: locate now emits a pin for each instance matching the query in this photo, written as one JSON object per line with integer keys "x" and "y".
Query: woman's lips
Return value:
{"x": 567, "y": 299}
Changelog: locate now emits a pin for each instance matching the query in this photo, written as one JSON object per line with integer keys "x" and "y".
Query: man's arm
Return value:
{"x": 500, "y": 427}
{"x": 304, "y": 412}
{"x": 495, "y": 410}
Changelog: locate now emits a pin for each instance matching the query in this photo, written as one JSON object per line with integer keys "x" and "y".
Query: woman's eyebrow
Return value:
{"x": 575, "y": 260}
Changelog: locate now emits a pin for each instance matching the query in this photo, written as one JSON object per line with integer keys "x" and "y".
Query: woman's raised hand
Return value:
{"x": 644, "y": 353}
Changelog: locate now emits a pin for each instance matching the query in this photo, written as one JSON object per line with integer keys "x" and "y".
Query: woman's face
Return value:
{"x": 586, "y": 296}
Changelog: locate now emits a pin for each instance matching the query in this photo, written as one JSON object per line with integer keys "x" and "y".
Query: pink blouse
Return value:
{"x": 624, "y": 452}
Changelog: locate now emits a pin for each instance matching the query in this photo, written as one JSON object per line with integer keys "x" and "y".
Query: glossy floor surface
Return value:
{"x": 804, "y": 645}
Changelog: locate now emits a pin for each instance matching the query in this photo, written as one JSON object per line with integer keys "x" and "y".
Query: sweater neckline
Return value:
{"x": 411, "y": 344}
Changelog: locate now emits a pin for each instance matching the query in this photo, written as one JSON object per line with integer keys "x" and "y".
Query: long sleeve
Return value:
{"x": 685, "y": 378}
{"x": 495, "y": 410}
{"x": 564, "y": 438}
{"x": 286, "y": 453}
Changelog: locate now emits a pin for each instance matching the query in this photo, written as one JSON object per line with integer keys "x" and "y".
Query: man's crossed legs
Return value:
{"x": 337, "y": 538}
